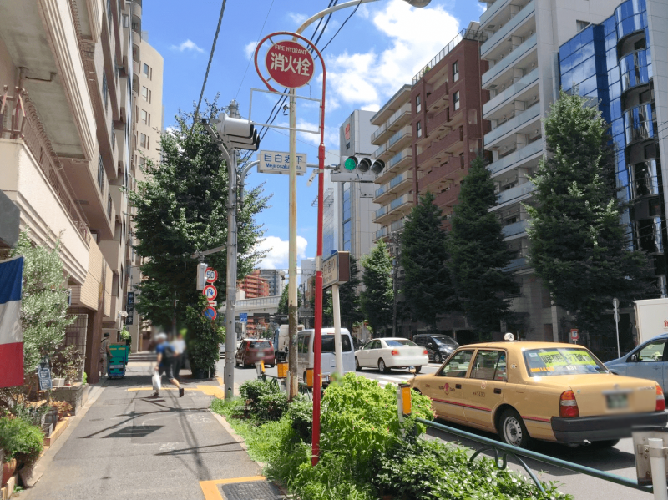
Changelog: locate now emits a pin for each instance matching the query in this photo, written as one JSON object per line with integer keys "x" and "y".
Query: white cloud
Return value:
{"x": 188, "y": 45}
{"x": 278, "y": 251}
{"x": 415, "y": 37}
{"x": 371, "y": 107}
{"x": 297, "y": 18}
{"x": 482, "y": 7}
{"x": 363, "y": 11}
{"x": 249, "y": 49}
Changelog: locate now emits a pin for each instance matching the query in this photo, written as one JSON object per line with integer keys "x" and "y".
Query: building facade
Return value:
{"x": 357, "y": 226}
{"x": 275, "y": 278}
{"x": 523, "y": 39}
{"x": 447, "y": 124}
{"x": 395, "y": 189}
{"x": 254, "y": 285}
{"x": 619, "y": 64}
{"x": 66, "y": 139}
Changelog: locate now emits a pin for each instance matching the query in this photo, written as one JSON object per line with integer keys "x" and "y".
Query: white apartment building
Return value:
{"x": 522, "y": 48}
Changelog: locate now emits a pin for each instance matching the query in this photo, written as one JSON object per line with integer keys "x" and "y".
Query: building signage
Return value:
{"x": 290, "y": 64}
{"x": 278, "y": 162}
{"x": 44, "y": 375}
{"x": 336, "y": 269}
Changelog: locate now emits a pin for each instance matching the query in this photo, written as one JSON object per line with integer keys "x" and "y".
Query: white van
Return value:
{"x": 282, "y": 340}
{"x": 328, "y": 355}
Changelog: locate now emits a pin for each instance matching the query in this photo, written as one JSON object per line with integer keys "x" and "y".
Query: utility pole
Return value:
{"x": 292, "y": 267}
{"x": 395, "y": 239}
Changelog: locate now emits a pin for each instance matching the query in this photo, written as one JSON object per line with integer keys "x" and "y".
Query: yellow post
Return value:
{"x": 309, "y": 377}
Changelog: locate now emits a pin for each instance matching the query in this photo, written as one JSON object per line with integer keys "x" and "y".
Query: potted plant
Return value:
{"x": 125, "y": 336}
{"x": 22, "y": 443}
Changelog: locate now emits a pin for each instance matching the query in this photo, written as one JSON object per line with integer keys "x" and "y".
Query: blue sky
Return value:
{"x": 379, "y": 49}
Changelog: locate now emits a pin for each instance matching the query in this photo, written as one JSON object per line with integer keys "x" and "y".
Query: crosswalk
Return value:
{"x": 399, "y": 378}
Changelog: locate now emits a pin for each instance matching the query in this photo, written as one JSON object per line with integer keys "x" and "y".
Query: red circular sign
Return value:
{"x": 290, "y": 64}
{"x": 210, "y": 292}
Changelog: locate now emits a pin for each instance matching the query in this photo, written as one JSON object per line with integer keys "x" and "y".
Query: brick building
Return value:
{"x": 254, "y": 285}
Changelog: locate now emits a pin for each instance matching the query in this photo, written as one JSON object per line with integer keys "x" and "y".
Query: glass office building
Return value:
{"x": 611, "y": 63}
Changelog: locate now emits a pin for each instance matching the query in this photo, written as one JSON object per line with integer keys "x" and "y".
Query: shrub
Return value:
{"x": 20, "y": 439}
{"x": 271, "y": 407}
{"x": 253, "y": 389}
{"x": 300, "y": 415}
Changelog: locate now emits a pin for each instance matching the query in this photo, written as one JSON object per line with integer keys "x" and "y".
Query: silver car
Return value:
{"x": 648, "y": 360}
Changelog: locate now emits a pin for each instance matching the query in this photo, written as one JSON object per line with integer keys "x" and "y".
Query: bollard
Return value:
{"x": 657, "y": 462}
{"x": 404, "y": 403}
{"x": 281, "y": 370}
{"x": 309, "y": 377}
{"x": 259, "y": 370}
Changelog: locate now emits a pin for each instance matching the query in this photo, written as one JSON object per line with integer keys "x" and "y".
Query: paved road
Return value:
{"x": 619, "y": 460}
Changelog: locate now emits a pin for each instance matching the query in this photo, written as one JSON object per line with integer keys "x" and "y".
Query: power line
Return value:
{"x": 258, "y": 41}
{"x": 208, "y": 67}
{"x": 341, "y": 27}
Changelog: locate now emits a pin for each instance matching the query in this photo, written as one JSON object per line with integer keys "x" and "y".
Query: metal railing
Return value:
{"x": 468, "y": 34}
{"x": 515, "y": 452}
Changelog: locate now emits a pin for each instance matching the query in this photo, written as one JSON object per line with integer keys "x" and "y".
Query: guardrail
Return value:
{"x": 517, "y": 452}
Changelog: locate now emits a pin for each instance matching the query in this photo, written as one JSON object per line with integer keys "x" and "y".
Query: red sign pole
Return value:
{"x": 317, "y": 340}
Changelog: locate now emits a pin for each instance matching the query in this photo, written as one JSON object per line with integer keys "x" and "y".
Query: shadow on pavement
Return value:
{"x": 198, "y": 449}
{"x": 133, "y": 432}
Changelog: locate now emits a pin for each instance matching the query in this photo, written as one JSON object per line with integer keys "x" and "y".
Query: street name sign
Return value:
{"x": 243, "y": 317}
{"x": 278, "y": 162}
{"x": 290, "y": 64}
{"x": 336, "y": 269}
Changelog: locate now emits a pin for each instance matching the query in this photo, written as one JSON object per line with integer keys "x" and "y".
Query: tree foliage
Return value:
{"x": 180, "y": 209}
{"x": 378, "y": 295}
{"x": 478, "y": 253}
{"x": 283, "y": 301}
{"x": 426, "y": 285}
{"x": 579, "y": 246}
{"x": 44, "y": 317}
{"x": 349, "y": 298}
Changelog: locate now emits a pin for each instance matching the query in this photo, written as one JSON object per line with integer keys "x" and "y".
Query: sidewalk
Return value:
{"x": 127, "y": 444}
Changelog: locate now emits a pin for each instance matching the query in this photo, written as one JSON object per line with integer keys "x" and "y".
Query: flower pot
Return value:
{"x": 58, "y": 382}
{"x": 8, "y": 469}
{"x": 28, "y": 475}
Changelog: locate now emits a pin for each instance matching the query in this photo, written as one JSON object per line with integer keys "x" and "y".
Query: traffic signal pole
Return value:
{"x": 292, "y": 264}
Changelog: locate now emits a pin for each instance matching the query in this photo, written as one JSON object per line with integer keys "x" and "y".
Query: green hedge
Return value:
{"x": 20, "y": 439}
{"x": 363, "y": 452}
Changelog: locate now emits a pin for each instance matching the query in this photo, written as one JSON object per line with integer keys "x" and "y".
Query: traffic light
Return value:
{"x": 201, "y": 275}
{"x": 363, "y": 164}
{"x": 237, "y": 132}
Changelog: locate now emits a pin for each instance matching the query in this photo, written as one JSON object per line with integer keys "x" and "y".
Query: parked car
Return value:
{"x": 649, "y": 360}
{"x": 391, "y": 352}
{"x": 542, "y": 390}
{"x": 328, "y": 353}
{"x": 250, "y": 351}
{"x": 439, "y": 347}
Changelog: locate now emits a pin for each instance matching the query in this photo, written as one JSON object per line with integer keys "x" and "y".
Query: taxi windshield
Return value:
{"x": 561, "y": 361}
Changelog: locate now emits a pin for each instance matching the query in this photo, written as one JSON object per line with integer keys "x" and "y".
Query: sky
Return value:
{"x": 380, "y": 48}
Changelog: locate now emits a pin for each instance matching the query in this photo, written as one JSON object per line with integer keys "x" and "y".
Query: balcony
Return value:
{"x": 400, "y": 202}
{"x": 517, "y": 264}
{"x": 382, "y": 195}
{"x": 397, "y": 164}
{"x": 397, "y": 119}
{"x": 438, "y": 97}
{"x": 437, "y": 123}
{"x": 493, "y": 10}
{"x": 439, "y": 150}
{"x": 509, "y": 61}
{"x": 515, "y": 230}
{"x": 515, "y": 194}
{"x": 381, "y": 149}
{"x": 381, "y": 212}
{"x": 508, "y": 28}
{"x": 403, "y": 179}
{"x": 512, "y": 125}
{"x": 507, "y": 95}
{"x": 397, "y": 225}
{"x": 381, "y": 233}
{"x": 535, "y": 149}
{"x": 400, "y": 138}
{"x": 448, "y": 198}
{"x": 380, "y": 191}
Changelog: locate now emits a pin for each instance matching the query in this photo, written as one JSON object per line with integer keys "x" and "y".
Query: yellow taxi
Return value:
{"x": 541, "y": 390}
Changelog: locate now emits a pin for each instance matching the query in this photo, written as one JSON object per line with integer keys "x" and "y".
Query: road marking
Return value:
{"x": 209, "y": 390}
{"x": 212, "y": 492}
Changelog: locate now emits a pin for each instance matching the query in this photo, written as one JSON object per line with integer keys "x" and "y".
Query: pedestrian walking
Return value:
{"x": 166, "y": 361}
{"x": 179, "y": 355}
{"x": 105, "y": 354}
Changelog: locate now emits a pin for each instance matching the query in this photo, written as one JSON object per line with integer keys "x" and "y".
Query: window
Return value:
{"x": 143, "y": 141}
{"x": 146, "y": 69}
{"x": 105, "y": 91}
{"x": 100, "y": 174}
{"x": 144, "y": 117}
{"x": 455, "y": 71}
{"x": 418, "y": 104}
{"x": 489, "y": 365}
{"x": 458, "y": 365}
{"x": 144, "y": 93}
{"x": 419, "y": 129}
{"x": 652, "y": 351}
{"x": 399, "y": 343}
{"x": 328, "y": 343}
{"x": 455, "y": 100}
{"x": 115, "y": 285}
{"x": 555, "y": 361}
{"x": 581, "y": 25}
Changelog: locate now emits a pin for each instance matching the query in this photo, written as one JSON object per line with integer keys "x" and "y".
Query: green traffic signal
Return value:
{"x": 350, "y": 163}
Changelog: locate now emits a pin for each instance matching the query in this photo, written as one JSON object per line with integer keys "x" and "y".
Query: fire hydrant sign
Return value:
{"x": 290, "y": 64}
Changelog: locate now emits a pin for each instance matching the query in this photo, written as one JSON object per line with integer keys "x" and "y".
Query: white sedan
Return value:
{"x": 391, "y": 352}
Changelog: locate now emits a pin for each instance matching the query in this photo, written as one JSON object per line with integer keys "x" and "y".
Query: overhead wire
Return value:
{"x": 258, "y": 41}
{"x": 208, "y": 66}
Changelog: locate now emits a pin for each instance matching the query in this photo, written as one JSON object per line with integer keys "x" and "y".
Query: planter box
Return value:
{"x": 8, "y": 470}
{"x": 76, "y": 395}
{"x": 57, "y": 431}
{"x": 8, "y": 491}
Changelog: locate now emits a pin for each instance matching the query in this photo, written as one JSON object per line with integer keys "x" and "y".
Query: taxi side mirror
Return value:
{"x": 633, "y": 358}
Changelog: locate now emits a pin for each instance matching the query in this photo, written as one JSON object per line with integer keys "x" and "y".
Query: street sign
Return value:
{"x": 278, "y": 162}
{"x": 210, "y": 292}
{"x": 290, "y": 64}
{"x": 210, "y": 275}
{"x": 213, "y": 303}
{"x": 575, "y": 335}
{"x": 336, "y": 269}
{"x": 129, "y": 320}
{"x": 243, "y": 317}
{"x": 210, "y": 313}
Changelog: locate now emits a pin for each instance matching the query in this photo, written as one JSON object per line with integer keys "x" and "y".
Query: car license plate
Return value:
{"x": 617, "y": 401}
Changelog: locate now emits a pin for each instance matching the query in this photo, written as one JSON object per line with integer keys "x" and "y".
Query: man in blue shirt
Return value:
{"x": 166, "y": 361}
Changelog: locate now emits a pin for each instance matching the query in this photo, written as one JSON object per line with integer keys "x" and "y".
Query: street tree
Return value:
{"x": 283, "y": 301}
{"x": 180, "y": 209}
{"x": 377, "y": 297}
{"x": 427, "y": 285}
{"x": 44, "y": 317}
{"x": 349, "y": 298}
{"x": 479, "y": 255}
{"x": 579, "y": 247}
